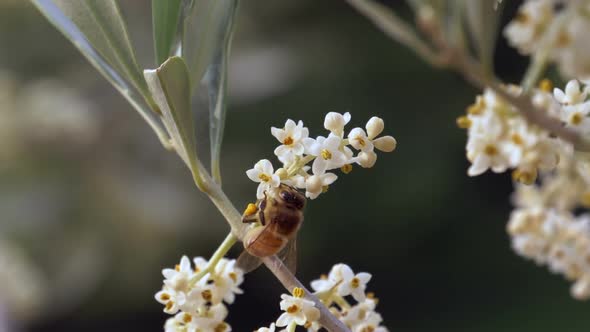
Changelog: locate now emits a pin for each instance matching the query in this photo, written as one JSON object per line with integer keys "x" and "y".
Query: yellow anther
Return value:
{"x": 463, "y": 122}
{"x": 222, "y": 327}
{"x": 563, "y": 39}
{"x": 546, "y": 85}
{"x": 525, "y": 177}
{"x": 165, "y": 297}
{"x": 288, "y": 140}
{"x": 585, "y": 199}
{"x": 517, "y": 139}
{"x": 250, "y": 209}
{"x": 346, "y": 168}
{"x": 323, "y": 277}
{"x": 307, "y": 325}
{"x": 361, "y": 141}
{"x": 369, "y": 328}
{"x": 233, "y": 276}
{"x": 522, "y": 18}
{"x": 576, "y": 118}
{"x": 325, "y": 189}
{"x": 298, "y": 292}
{"x": 169, "y": 305}
{"x": 326, "y": 154}
{"x": 264, "y": 178}
{"x": 177, "y": 267}
{"x": 490, "y": 150}
{"x": 187, "y": 318}
{"x": 207, "y": 295}
{"x": 355, "y": 282}
{"x": 478, "y": 107}
{"x": 293, "y": 309}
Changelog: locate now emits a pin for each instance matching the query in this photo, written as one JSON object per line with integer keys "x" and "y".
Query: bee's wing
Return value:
{"x": 289, "y": 255}
{"x": 248, "y": 262}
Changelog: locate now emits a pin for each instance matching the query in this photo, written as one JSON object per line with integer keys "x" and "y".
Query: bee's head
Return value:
{"x": 292, "y": 197}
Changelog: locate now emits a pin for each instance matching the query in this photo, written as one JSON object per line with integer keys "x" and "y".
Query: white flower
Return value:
{"x": 359, "y": 140}
{"x": 335, "y": 122}
{"x": 576, "y": 116}
{"x": 366, "y": 159}
{"x": 315, "y": 184}
{"x": 526, "y": 30}
{"x": 178, "y": 278}
{"x": 572, "y": 95}
{"x": 350, "y": 283}
{"x": 486, "y": 151}
{"x": 263, "y": 173}
{"x": 172, "y": 325}
{"x": 210, "y": 320}
{"x": 226, "y": 279}
{"x": 327, "y": 152}
{"x": 291, "y": 138}
{"x": 297, "y": 310}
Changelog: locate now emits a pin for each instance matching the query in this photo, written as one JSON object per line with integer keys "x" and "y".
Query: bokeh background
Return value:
{"x": 92, "y": 207}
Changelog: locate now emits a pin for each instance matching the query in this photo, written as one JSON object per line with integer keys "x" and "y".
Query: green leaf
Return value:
{"x": 165, "y": 16}
{"x": 170, "y": 87}
{"x": 85, "y": 27}
{"x": 103, "y": 26}
{"x": 204, "y": 22}
{"x": 216, "y": 80}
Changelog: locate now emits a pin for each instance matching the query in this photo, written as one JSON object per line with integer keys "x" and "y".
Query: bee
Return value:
{"x": 280, "y": 214}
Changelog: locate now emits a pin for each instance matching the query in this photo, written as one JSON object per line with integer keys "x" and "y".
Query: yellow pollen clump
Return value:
{"x": 220, "y": 328}
{"x": 490, "y": 150}
{"x": 264, "y": 178}
{"x": 576, "y": 119}
{"x": 165, "y": 297}
{"x": 233, "y": 276}
{"x": 346, "y": 168}
{"x": 206, "y": 294}
{"x": 326, "y": 154}
{"x": 517, "y": 139}
{"x": 369, "y": 328}
{"x": 546, "y": 85}
{"x": 298, "y": 292}
{"x": 169, "y": 305}
{"x": 585, "y": 199}
{"x": 288, "y": 140}
{"x": 293, "y": 309}
{"x": 250, "y": 209}
{"x": 177, "y": 267}
{"x": 463, "y": 122}
{"x": 187, "y": 318}
{"x": 355, "y": 282}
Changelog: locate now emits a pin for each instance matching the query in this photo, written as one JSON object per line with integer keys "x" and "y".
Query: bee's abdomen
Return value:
{"x": 261, "y": 243}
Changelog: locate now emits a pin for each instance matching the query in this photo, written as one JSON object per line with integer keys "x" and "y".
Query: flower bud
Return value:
{"x": 581, "y": 289}
{"x": 374, "y": 127}
{"x": 385, "y": 143}
{"x": 335, "y": 122}
{"x": 367, "y": 159}
{"x": 314, "y": 184}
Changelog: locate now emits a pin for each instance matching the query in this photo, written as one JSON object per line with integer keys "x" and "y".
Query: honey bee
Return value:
{"x": 280, "y": 214}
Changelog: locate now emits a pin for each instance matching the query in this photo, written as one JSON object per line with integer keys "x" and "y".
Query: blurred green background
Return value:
{"x": 92, "y": 207}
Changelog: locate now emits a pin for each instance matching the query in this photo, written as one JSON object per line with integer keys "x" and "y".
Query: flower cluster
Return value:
{"x": 566, "y": 44}
{"x": 544, "y": 225}
{"x": 297, "y": 149}
{"x": 196, "y": 295}
{"x": 335, "y": 291}
{"x": 499, "y": 139}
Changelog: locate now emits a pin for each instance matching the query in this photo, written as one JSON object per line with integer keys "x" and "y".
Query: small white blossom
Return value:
{"x": 327, "y": 152}
{"x": 315, "y": 184}
{"x": 527, "y": 28}
{"x": 263, "y": 173}
{"x": 267, "y": 329}
{"x": 572, "y": 95}
{"x": 227, "y": 279}
{"x": 576, "y": 116}
{"x": 297, "y": 310}
{"x": 291, "y": 138}
{"x": 335, "y": 122}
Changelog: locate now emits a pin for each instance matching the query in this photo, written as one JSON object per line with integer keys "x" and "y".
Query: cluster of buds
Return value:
{"x": 566, "y": 44}
{"x": 297, "y": 150}
{"x": 544, "y": 226}
{"x": 499, "y": 139}
{"x": 197, "y": 295}
{"x": 335, "y": 290}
